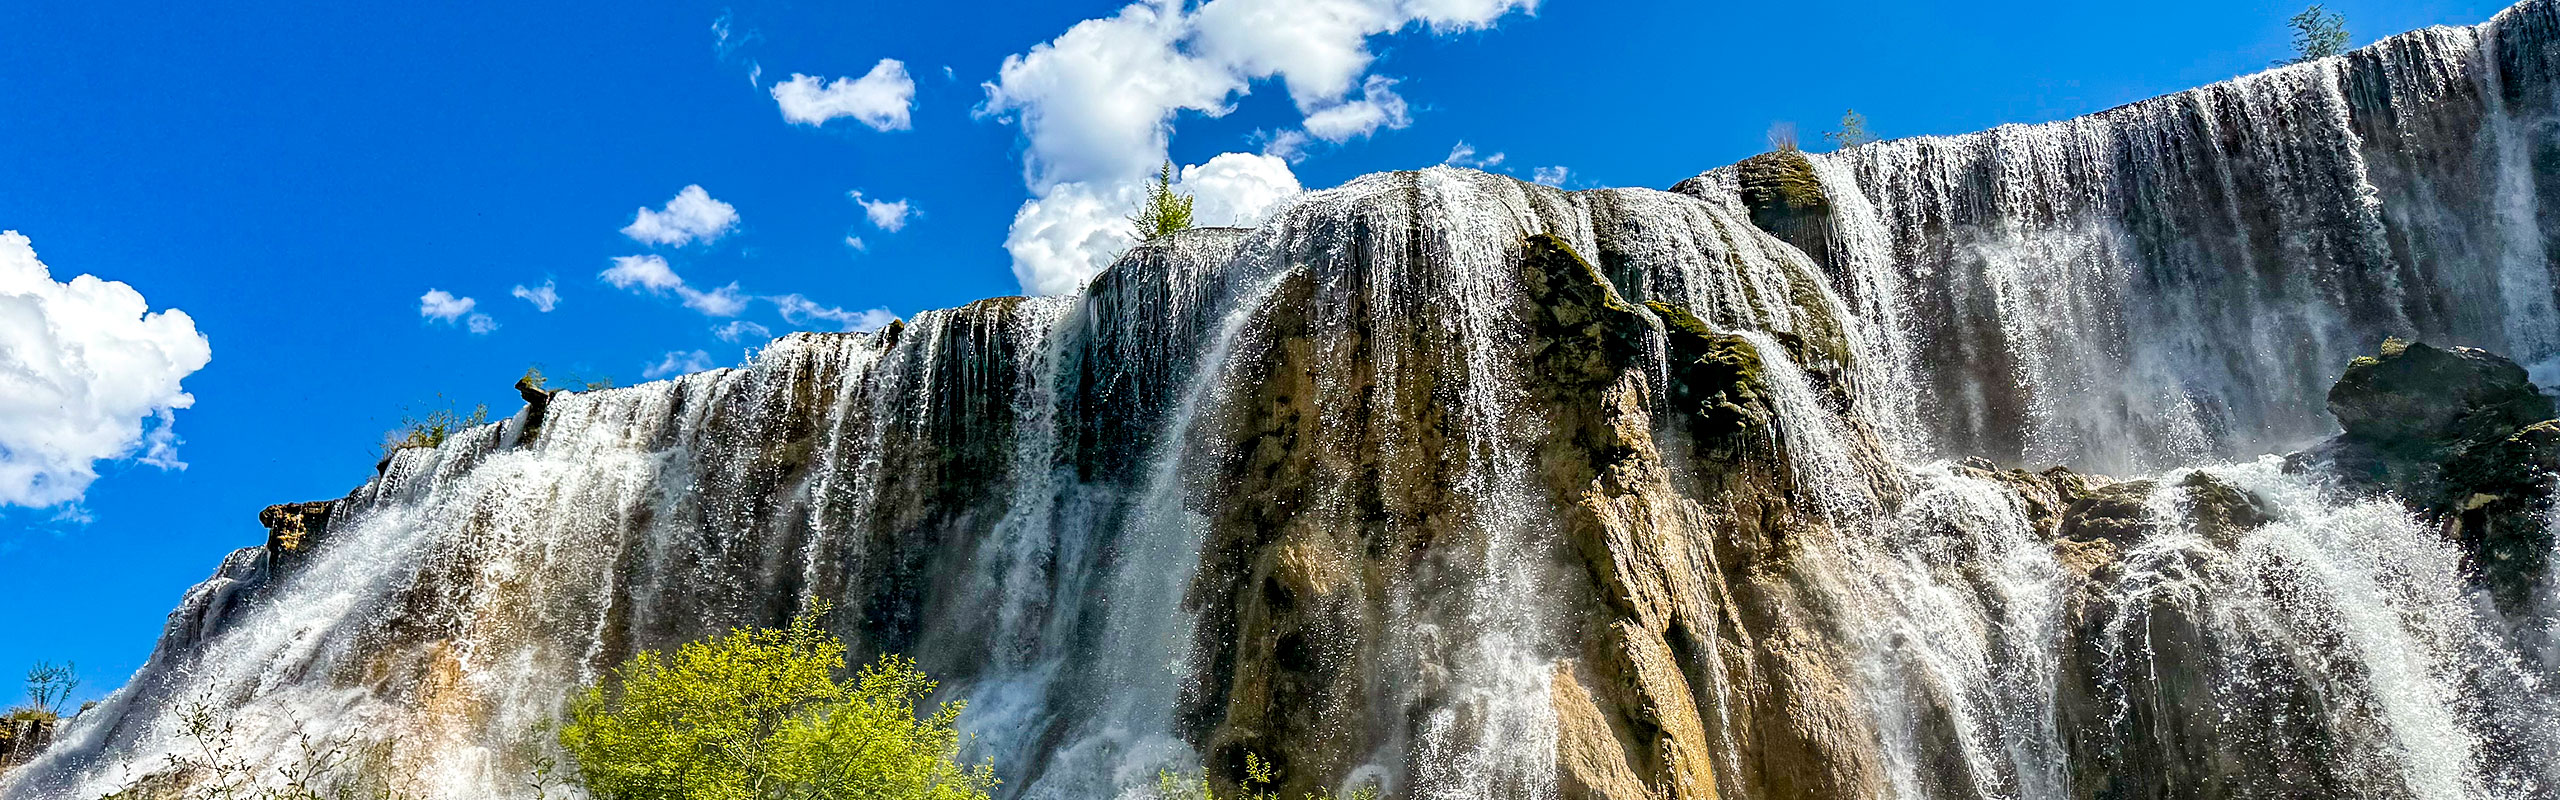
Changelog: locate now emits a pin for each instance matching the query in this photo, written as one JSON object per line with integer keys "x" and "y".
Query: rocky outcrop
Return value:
{"x": 2465, "y": 439}
{"x": 1786, "y": 199}
{"x": 293, "y": 531}
{"x": 537, "y": 402}
{"x": 22, "y": 738}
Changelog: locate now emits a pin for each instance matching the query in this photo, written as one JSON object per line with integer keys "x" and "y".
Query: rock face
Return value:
{"x": 1469, "y": 488}
{"x": 22, "y": 739}
{"x": 2464, "y": 439}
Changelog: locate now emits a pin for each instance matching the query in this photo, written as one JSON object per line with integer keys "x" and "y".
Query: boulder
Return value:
{"x": 2464, "y": 438}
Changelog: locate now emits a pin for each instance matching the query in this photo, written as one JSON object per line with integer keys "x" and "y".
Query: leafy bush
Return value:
{"x": 433, "y": 429}
{"x": 761, "y": 713}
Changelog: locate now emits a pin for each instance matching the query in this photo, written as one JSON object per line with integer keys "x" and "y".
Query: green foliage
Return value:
{"x": 1256, "y": 785}
{"x": 759, "y": 714}
{"x": 1165, "y": 210}
{"x": 1852, "y": 133}
{"x": 2317, "y": 33}
{"x": 432, "y": 429}
{"x": 533, "y": 377}
{"x": 49, "y": 686}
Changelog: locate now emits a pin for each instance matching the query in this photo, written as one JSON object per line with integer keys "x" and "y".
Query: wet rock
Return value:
{"x": 2465, "y": 439}
{"x": 1787, "y": 200}
{"x": 23, "y": 737}
{"x": 2119, "y": 514}
{"x": 537, "y": 402}
{"x": 2418, "y": 400}
{"x": 2221, "y": 512}
{"x": 293, "y": 531}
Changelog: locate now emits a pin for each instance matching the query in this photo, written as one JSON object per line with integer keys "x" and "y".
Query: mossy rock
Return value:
{"x": 1586, "y": 332}
{"x": 1717, "y": 377}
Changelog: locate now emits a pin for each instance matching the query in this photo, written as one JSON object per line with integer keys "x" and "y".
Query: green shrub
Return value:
{"x": 1256, "y": 785}
{"x": 433, "y": 429}
{"x": 761, "y": 714}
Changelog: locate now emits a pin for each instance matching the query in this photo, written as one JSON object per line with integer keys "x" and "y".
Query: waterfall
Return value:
{"x": 2182, "y": 277}
{"x": 1364, "y": 492}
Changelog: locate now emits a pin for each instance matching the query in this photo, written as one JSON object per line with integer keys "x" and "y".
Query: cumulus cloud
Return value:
{"x": 1551, "y": 176}
{"x": 1378, "y": 107}
{"x": 725, "y": 301}
{"x": 442, "y": 306}
{"x": 742, "y": 330}
{"x": 677, "y": 362}
{"x": 649, "y": 273}
{"x": 439, "y": 305}
{"x": 692, "y": 215}
{"x": 544, "y": 297}
{"x": 856, "y": 243}
{"x": 84, "y": 365}
{"x": 1096, "y": 105}
{"x": 800, "y": 310}
{"x": 1071, "y": 233}
{"x": 880, "y": 99}
{"x": 887, "y": 215}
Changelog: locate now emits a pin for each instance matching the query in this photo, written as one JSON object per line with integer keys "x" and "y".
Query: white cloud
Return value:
{"x": 83, "y": 366}
{"x": 544, "y": 297}
{"x": 480, "y": 323}
{"x": 1066, "y": 236}
{"x": 880, "y": 99}
{"x": 442, "y": 306}
{"x": 691, "y": 215}
{"x": 1237, "y": 189}
{"x": 799, "y": 310}
{"x": 677, "y": 362}
{"x": 1378, "y": 107}
{"x": 887, "y": 215}
{"x": 742, "y": 330}
{"x": 1464, "y": 155}
{"x": 649, "y": 273}
{"x": 1551, "y": 176}
{"x": 856, "y": 243}
{"x": 725, "y": 301}
{"x": 1097, "y": 104}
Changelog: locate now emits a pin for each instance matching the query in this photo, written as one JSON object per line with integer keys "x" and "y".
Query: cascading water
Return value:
{"x": 1397, "y": 489}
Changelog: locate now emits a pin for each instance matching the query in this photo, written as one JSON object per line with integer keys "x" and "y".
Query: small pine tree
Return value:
{"x": 1853, "y": 131}
{"x": 2317, "y": 33}
{"x": 1165, "y": 210}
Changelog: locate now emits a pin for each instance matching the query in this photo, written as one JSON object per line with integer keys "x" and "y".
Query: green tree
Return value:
{"x": 1165, "y": 210}
{"x": 760, "y": 714}
{"x": 2317, "y": 33}
{"x": 49, "y": 686}
{"x": 1853, "y": 131}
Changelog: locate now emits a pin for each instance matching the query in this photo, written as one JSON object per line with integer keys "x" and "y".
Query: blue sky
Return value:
{"x": 297, "y": 176}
